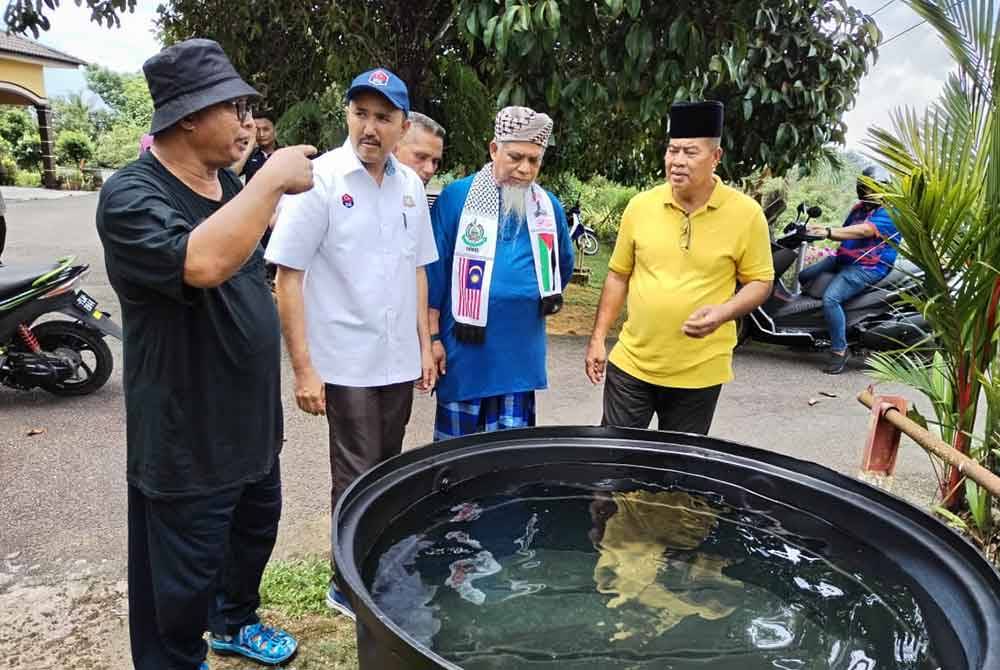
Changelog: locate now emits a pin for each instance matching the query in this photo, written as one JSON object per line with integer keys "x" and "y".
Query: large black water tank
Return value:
{"x": 961, "y": 589}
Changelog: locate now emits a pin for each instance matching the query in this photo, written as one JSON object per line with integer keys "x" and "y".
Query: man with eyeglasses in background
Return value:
{"x": 202, "y": 370}
{"x": 682, "y": 249}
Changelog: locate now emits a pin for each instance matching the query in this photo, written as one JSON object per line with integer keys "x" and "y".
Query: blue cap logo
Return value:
{"x": 385, "y": 83}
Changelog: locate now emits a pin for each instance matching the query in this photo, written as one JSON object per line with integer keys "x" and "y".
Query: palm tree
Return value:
{"x": 945, "y": 200}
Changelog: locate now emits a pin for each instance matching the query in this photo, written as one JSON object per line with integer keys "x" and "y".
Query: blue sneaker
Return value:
{"x": 258, "y": 642}
{"x": 336, "y": 601}
{"x": 203, "y": 666}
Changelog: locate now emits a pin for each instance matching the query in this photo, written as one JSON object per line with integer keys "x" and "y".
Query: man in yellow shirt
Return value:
{"x": 681, "y": 250}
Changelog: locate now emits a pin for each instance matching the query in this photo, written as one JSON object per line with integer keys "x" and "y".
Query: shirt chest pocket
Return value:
{"x": 407, "y": 239}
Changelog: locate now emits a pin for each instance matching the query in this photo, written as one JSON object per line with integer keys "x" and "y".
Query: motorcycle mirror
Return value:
{"x": 801, "y": 208}
{"x": 814, "y": 212}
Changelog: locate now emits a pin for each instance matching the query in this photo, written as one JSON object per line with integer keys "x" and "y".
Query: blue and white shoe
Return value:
{"x": 258, "y": 642}
{"x": 336, "y": 601}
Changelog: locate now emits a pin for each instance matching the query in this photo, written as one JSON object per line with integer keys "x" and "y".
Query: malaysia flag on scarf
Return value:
{"x": 470, "y": 291}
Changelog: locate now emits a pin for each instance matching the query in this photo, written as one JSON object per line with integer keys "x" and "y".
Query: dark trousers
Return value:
{"x": 367, "y": 426}
{"x": 196, "y": 564}
{"x": 631, "y": 402}
{"x": 3, "y": 234}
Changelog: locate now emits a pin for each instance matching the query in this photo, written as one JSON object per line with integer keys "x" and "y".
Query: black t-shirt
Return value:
{"x": 202, "y": 366}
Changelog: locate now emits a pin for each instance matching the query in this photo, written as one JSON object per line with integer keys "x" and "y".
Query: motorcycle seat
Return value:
{"x": 18, "y": 278}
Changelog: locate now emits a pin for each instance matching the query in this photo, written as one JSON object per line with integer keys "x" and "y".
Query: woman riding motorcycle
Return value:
{"x": 864, "y": 257}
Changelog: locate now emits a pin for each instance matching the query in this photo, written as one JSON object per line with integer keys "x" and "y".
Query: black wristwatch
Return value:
{"x": 829, "y": 234}
{"x": 435, "y": 337}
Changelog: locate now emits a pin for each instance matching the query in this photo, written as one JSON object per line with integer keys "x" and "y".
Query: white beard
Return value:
{"x": 513, "y": 200}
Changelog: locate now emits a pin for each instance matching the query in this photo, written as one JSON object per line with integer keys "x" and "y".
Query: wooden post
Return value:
{"x": 933, "y": 445}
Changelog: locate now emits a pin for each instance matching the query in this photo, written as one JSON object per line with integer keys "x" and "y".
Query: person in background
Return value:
{"x": 683, "y": 248}
{"x": 202, "y": 373}
{"x": 867, "y": 252}
{"x": 145, "y": 142}
{"x": 422, "y": 148}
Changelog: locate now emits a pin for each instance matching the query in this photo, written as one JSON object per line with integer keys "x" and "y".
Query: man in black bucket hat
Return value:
{"x": 202, "y": 364}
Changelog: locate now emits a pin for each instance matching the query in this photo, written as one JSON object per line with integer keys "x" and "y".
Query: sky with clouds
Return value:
{"x": 910, "y": 71}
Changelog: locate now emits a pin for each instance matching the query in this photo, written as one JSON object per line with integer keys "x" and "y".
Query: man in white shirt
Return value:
{"x": 351, "y": 286}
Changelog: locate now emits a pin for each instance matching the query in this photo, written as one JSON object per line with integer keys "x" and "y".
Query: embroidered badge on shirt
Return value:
{"x": 379, "y": 78}
{"x": 408, "y": 201}
{"x": 347, "y": 200}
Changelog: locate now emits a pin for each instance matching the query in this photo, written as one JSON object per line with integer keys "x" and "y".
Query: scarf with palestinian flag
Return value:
{"x": 475, "y": 252}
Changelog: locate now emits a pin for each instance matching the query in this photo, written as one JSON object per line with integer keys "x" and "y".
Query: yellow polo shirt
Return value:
{"x": 729, "y": 242}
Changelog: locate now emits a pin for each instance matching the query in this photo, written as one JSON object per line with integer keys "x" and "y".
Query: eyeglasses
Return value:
{"x": 686, "y": 234}
{"x": 243, "y": 108}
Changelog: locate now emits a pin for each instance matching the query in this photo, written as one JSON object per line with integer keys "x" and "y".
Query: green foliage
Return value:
{"x": 126, "y": 94}
{"x": 321, "y": 122}
{"x": 462, "y": 103}
{"x": 297, "y": 588}
{"x": 607, "y": 71}
{"x": 72, "y": 113}
{"x": 30, "y": 179}
{"x": 943, "y": 196}
{"x": 602, "y": 201}
{"x": 73, "y": 146}
{"x": 118, "y": 146}
{"x": 787, "y": 71}
{"x": 8, "y": 168}
{"x": 31, "y": 15}
{"x": 19, "y": 129}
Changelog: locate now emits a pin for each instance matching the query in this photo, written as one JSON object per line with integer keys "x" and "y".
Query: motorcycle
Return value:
{"x": 66, "y": 358}
{"x": 877, "y": 318}
{"x": 583, "y": 236}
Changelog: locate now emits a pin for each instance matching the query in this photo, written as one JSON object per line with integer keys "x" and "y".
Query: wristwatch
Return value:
{"x": 435, "y": 337}
{"x": 829, "y": 234}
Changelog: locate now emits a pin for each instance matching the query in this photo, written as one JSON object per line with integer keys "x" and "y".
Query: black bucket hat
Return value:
{"x": 188, "y": 77}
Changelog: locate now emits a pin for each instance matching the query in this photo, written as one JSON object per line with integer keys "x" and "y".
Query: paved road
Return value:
{"x": 62, "y": 493}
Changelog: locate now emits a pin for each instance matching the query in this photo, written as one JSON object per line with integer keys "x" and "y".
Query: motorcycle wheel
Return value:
{"x": 589, "y": 244}
{"x": 95, "y": 359}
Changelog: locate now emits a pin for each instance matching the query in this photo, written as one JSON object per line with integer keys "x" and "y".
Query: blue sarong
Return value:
{"x": 484, "y": 415}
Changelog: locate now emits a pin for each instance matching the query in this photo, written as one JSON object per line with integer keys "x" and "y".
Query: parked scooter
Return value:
{"x": 63, "y": 357}
{"x": 877, "y": 318}
{"x": 584, "y": 237}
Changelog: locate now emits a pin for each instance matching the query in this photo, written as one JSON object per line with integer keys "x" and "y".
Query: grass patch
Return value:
{"x": 580, "y": 306}
{"x": 296, "y": 588}
{"x": 293, "y": 597}
{"x": 590, "y": 295}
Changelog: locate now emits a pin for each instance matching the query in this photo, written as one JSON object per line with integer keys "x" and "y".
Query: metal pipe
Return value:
{"x": 929, "y": 442}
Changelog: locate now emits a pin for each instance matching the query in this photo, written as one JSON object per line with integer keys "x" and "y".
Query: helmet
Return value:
{"x": 875, "y": 173}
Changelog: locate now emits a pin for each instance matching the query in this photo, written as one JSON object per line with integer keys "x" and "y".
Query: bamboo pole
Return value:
{"x": 965, "y": 465}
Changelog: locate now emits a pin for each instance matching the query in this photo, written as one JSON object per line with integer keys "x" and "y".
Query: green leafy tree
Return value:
{"x": 71, "y": 112}
{"x": 126, "y": 94}
{"x": 19, "y": 130}
{"x": 607, "y": 70}
{"x": 118, "y": 146}
{"x": 786, "y": 70}
{"x": 73, "y": 146}
{"x": 944, "y": 202}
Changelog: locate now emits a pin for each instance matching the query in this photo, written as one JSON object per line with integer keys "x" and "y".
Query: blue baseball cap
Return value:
{"x": 384, "y": 82}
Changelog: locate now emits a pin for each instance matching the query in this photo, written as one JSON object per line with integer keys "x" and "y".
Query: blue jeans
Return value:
{"x": 849, "y": 282}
